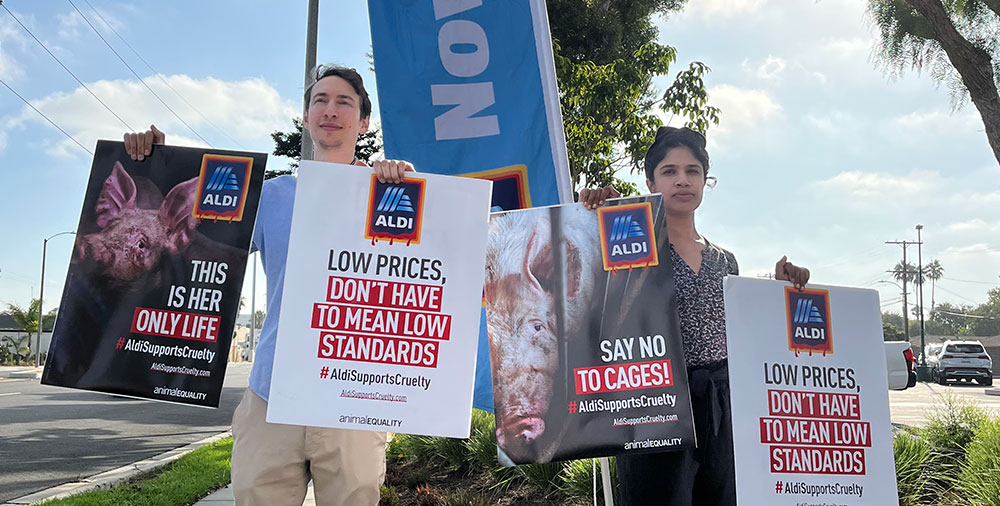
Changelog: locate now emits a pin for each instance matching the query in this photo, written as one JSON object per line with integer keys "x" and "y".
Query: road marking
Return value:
{"x": 10, "y": 393}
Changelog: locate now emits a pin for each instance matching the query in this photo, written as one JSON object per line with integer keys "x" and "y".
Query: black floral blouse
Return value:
{"x": 700, "y": 304}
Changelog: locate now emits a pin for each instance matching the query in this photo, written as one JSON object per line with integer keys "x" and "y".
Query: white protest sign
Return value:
{"x": 381, "y": 304}
{"x": 809, "y": 394}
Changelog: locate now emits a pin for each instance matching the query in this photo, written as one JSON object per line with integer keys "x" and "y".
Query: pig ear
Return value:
{"x": 540, "y": 269}
{"x": 117, "y": 193}
{"x": 176, "y": 215}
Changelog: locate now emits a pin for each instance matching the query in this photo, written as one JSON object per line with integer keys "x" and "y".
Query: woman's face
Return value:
{"x": 680, "y": 177}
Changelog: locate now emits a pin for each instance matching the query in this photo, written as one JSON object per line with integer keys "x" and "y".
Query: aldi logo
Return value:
{"x": 627, "y": 238}
{"x": 222, "y": 187}
{"x": 395, "y": 211}
{"x": 808, "y": 313}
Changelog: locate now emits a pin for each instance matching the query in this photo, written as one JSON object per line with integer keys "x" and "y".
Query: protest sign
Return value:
{"x": 380, "y": 312}
{"x": 809, "y": 395}
{"x": 471, "y": 90}
{"x": 150, "y": 300}
{"x": 584, "y": 334}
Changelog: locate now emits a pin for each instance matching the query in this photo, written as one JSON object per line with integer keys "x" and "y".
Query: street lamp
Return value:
{"x": 41, "y": 290}
{"x": 923, "y": 373}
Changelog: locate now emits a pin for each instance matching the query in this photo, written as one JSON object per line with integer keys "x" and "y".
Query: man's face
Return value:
{"x": 334, "y": 114}
{"x": 680, "y": 177}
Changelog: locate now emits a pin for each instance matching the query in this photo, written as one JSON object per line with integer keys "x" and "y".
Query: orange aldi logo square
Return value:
{"x": 222, "y": 187}
{"x": 395, "y": 211}
{"x": 808, "y": 314}
{"x": 627, "y": 238}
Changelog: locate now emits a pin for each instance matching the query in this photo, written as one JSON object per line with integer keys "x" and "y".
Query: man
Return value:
{"x": 273, "y": 463}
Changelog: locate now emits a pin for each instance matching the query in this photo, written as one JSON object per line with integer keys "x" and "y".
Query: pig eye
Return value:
{"x": 142, "y": 244}
{"x": 538, "y": 326}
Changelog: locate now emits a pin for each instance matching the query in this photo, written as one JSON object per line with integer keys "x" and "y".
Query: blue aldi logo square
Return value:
{"x": 395, "y": 211}
{"x": 627, "y": 237}
{"x": 222, "y": 187}
{"x": 808, "y": 313}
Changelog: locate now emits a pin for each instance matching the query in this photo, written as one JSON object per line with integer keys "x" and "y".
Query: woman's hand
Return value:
{"x": 592, "y": 199}
{"x": 391, "y": 171}
{"x": 786, "y": 271}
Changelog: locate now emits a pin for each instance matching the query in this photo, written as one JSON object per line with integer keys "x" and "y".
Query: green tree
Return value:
{"x": 934, "y": 271}
{"x": 957, "y": 41}
{"x": 606, "y": 57}
{"x": 27, "y": 319}
{"x": 891, "y": 332}
{"x": 988, "y": 323}
{"x": 290, "y": 144}
{"x": 904, "y": 272}
{"x": 956, "y": 320}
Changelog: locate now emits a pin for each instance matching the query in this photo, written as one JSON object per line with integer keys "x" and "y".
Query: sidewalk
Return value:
{"x": 224, "y": 497}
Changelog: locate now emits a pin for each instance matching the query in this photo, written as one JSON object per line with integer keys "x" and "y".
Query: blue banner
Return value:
{"x": 467, "y": 87}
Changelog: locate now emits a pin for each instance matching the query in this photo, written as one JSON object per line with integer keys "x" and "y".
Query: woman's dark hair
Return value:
{"x": 668, "y": 138}
{"x": 351, "y": 76}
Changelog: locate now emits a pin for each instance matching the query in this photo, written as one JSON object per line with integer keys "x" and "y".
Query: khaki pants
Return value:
{"x": 272, "y": 463}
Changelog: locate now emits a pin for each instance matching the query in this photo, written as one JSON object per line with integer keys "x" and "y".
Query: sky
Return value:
{"x": 820, "y": 154}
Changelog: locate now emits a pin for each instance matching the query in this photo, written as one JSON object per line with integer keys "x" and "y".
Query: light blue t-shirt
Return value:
{"x": 270, "y": 237}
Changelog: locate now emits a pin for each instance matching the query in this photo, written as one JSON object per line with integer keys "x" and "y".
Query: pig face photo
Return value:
{"x": 523, "y": 303}
{"x": 137, "y": 225}
{"x": 552, "y": 310}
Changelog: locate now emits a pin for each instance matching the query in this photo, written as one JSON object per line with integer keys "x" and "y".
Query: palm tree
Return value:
{"x": 904, "y": 273}
{"x": 934, "y": 272}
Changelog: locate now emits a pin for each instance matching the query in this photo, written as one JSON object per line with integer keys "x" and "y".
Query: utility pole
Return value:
{"x": 906, "y": 318}
{"x": 311, "y": 30}
{"x": 922, "y": 368}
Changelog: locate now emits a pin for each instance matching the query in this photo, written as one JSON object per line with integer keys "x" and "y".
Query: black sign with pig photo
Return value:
{"x": 153, "y": 288}
{"x": 584, "y": 335}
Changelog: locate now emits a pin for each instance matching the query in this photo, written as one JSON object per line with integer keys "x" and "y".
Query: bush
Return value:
{"x": 542, "y": 477}
{"x": 578, "y": 479}
{"x": 911, "y": 455}
{"x": 980, "y": 476}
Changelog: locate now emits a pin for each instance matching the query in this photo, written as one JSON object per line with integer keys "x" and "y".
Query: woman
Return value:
{"x": 677, "y": 167}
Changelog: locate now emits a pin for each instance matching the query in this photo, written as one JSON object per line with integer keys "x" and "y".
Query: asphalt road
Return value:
{"x": 51, "y": 435}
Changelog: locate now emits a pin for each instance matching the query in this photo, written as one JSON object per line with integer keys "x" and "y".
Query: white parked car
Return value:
{"x": 960, "y": 360}
{"x": 899, "y": 365}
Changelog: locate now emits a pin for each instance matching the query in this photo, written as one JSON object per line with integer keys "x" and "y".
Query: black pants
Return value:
{"x": 703, "y": 476}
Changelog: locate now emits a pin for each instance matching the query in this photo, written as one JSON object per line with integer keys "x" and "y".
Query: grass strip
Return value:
{"x": 180, "y": 483}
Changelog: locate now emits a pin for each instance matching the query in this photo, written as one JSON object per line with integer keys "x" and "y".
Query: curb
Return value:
{"x": 113, "y": 477}
{"x": 993, "y": 391}
{"x": 33, "y": 373}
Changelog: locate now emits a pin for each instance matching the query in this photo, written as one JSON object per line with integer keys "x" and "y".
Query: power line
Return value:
{"x": 66, "y": 68}
{"x": 159, "y": 76}
{"x": 957, "y": 295}
{"x": 40, "y": 113}
{"x": 129, "y": 67}
{"x": 968, "y": 281}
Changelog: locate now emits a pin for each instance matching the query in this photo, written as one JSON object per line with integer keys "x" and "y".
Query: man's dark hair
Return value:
{"x": 351, "y": 76}
{"x": 668, "y": 138}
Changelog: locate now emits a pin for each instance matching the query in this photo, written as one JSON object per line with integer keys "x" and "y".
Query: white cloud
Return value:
{"x": 723, "y": 8}
{"x": 247, "y": 110}
{"x": 858, "y": 185}
{"x": 855, "y": 48}
{"x": 72, "y": 25}
{"x": 11, "y": 38}
{"x": 937, "y": 120}
{"x": 975, "y": 225}
{"x": 742, "y": 109}
{"x": 771, "y": 67}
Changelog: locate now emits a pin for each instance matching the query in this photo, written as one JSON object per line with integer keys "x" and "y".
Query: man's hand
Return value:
{"x": 785, "y": 271}
{"x": 140, "y": 145}
{"x": 592, "y": 199}
{"x": 391, "y": 171}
